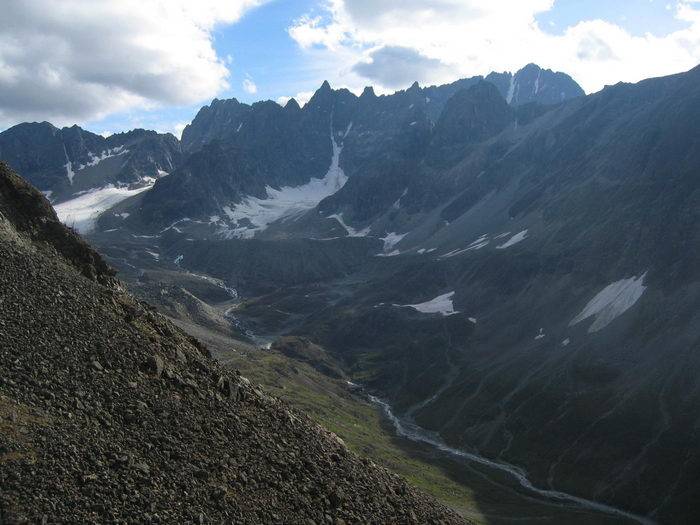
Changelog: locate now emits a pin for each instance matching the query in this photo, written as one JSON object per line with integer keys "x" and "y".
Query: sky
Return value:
{"x": 114, "y": 65}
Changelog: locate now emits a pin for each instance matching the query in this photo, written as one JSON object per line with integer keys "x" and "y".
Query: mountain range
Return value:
{"x": 505, "y": 262}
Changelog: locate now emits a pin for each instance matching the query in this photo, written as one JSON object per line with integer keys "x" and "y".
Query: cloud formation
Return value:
{"x": 249, "y": 86}
{"x": 457, "y": 38}
{"x": 80, "y": 60}
{"x": 395, "y": 67}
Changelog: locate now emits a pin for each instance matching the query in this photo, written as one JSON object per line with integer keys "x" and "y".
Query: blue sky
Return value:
{"x": 636, "y": 16}
{"x": 257, "y": 48}
{"x": 154, "y": 63}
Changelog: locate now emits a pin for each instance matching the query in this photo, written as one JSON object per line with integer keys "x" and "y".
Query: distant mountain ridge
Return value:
{"x": 223, "y": 118}
{"x": 238, "y": 151}
{"x": 64, "y": 162}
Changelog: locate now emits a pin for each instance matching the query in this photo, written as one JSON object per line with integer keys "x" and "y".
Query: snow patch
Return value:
{"x": 515, "y": 239}
{"x": 391, "y": 240}
{"x": 254, "y": 215}
{"x": 82, "y": 212}
{"x": 179, "y": 259}
{"x": 540, "y": 335}
{"x": 442, "y": 304}
{"x": 69, "y": 171}
{"x": 478, "y": 244}
{"x": 511, "y": 90}
{"x": 96, "y": 159}
{"x": 611, "y": 302}
{"x": 155, "y": 255}
{"x": 566, "y": 342}
{"x": 397, "y": 204}
{"x": 174, "y": 227}
{"x": 352, "y": 232}
{"x": 390, "y": 254}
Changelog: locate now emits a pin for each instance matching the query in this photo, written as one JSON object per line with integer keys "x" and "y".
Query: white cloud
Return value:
{"x": 179, "y": 128}
{"x": 302, "y": 98}
{"x": 396, "y": 67}
{"x": 249, "y": 86}
{"x": 456, "y": 38}
{"x": 80, "y": 60}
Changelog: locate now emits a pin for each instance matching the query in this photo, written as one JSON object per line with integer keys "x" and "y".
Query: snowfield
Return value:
{"x": 69, "y": 172}
{"x": 391, "y": 240}
{"x": 82, "y": 212}
{"x": 254, "y": 215}
{"x": 352, "y": 232}
{"x": 442, "y": 304}
{"x": 96, "y": 159}
{"x": 478, "y": 244}
{"x": 515, "y": 239}
{"x": 611, "y": 302}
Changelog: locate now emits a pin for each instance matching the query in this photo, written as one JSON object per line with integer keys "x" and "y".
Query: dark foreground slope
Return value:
{"x": 110, "y": 413}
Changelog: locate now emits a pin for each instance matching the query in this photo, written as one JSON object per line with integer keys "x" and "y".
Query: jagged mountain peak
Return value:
{"x": 532, "y": 83}
{"x": 292, "y": 104}
{"x": 368, "y": 92}
{"x": 323, "y": 97}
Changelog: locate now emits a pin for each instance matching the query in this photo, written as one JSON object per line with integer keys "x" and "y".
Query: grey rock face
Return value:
{"x": 534, "y": 84}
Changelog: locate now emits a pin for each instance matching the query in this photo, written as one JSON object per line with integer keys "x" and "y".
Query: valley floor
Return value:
{"x": 480, "y": 494}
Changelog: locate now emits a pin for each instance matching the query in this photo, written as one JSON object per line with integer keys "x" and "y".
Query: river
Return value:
{"x": 413, "y": 432}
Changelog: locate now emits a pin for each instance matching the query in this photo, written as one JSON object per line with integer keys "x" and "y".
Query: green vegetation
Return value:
{"x": 357, "y": 422}
{"x": 481, "y": 496}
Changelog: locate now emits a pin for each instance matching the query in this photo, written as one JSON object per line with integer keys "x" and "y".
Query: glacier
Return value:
{"x": 82, "y": 212}
{"x": 442, "y": 304}
{"x": 254, "y": 215}
{"x": 611, "y": 302}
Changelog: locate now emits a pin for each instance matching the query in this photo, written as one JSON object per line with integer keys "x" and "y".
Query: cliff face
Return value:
{"x": 110, "y": 413}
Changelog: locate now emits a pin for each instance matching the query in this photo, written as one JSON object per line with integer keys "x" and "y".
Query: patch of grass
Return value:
{"x": 331, "y": 404}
